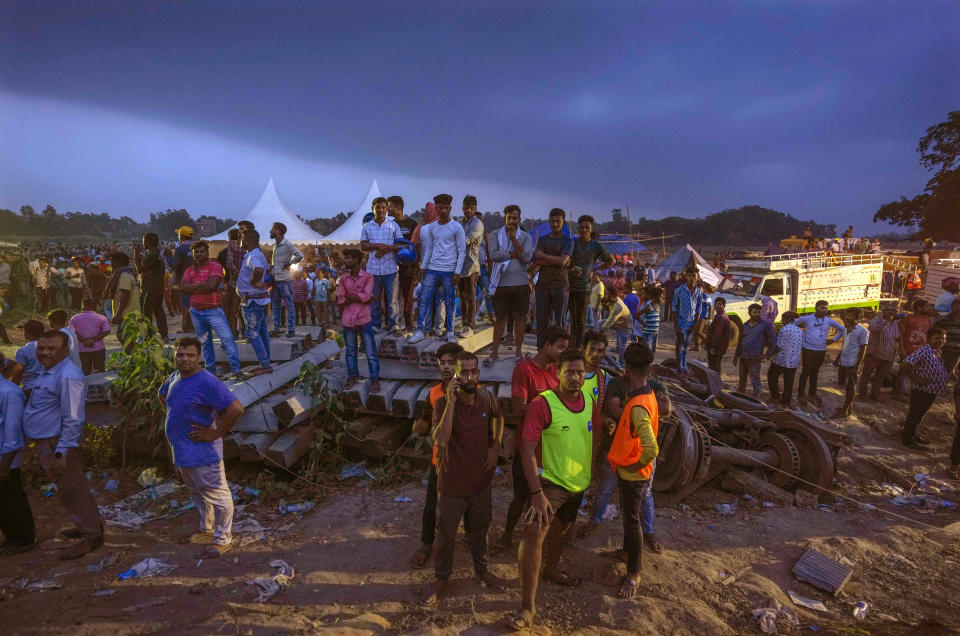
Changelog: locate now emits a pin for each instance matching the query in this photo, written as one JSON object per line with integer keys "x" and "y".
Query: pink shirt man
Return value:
{"x": 88, "y": 324}
{"x": 355, "y": 314}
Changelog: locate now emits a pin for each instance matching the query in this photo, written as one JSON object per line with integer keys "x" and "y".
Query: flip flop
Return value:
{"x": 518, "y": 621}
{"x": 628, "y": 588}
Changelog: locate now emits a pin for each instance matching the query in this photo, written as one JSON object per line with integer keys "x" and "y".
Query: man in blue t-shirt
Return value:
{"x": 200, "y": 411}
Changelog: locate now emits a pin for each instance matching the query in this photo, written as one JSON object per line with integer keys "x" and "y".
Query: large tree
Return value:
{"x": 935, "y": 210}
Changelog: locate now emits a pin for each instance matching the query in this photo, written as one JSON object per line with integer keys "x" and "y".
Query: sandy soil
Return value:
{"x": 351, "y": 557}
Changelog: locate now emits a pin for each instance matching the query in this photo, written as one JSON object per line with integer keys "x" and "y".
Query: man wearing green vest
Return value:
{"x": 560, "y": 422}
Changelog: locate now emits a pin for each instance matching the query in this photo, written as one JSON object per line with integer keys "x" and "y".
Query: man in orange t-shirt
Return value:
{"x": 424, "y": 424}
{"x": 913, "y": 335}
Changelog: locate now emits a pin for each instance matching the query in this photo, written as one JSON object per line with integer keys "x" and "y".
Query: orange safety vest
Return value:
{"x": 436, "y": 393}
{"x": 626, "y": 449}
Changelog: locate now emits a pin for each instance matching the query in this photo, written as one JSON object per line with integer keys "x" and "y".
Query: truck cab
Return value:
{"x": 740, "y": 289}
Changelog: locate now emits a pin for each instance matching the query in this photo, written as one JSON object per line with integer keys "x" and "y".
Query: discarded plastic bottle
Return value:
{"x": 251, "y": 492}
{"x": 286, "y": 508}
{"x": 48, "y": 490}
{"x": 403, "y": 499}
{"x": 860, "y": 610}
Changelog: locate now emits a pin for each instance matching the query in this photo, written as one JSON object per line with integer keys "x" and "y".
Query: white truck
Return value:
{"x": 798, "y": 281}
{"x": 939, "y": 270}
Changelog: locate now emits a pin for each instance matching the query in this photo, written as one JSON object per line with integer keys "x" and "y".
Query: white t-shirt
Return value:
{"x": 443, "y": 247}
{"x": 852, "y": 341}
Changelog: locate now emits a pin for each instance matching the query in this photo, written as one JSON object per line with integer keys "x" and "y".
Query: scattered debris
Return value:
{"x": 860, "y": 610}
{"x": 269, "y": 587}
{"x": 768, "y": 616}
{"x": 929, "y": 502}
{"x": 137, "y": 509}
{"x": 247, "y": 530}
{"x": 742, "y": 482}
{"x": 48, "y": 490}
{"x": 821, "y": 571}
{"x": 148, "y": 477}
{"x": 103, "y": 593}
{"x": 43, "y": 584}
{"x": 932, "y": 484}
{"x": 610, "y": 513}
{"x": 402, "y": 499}
{"x": 356, "y": 470}
{"x": 112, "y": 484}
{"x": 804, "y": 499}
{"x": 286, "y": 508}
{"x": 809, "y": 603}
{"x": 160, "y": 600}
{"x": 726, "y": 509}
{"x": 147, "y": 568}
{"x": 110, "y": 559}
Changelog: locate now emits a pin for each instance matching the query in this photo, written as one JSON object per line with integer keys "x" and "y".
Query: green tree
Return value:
{"x": 935, "y": 209}
{"x": 166, "y": 223}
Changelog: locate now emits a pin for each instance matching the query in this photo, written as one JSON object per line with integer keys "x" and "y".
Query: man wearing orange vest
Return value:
{"x": 631, "y": 454}
{"x": 560, "y": 423}
{"x": 422, "y": 426}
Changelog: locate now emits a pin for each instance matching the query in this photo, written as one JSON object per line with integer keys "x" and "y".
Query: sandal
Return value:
{"x": 518, "y": 621}
{"x": 350, "y": 383}
{"x": 420, "y": 557}
{"x": 563, "y": 579}
{"x": 954, "y": 471}
{"x": 215, "y": 550}
{"x": 628, "y": 588}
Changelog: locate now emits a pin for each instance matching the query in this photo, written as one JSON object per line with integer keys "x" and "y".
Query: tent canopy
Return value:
{"x": 349, "y": 231}
{"x": 620, "y": 244}
{"x": 679, "y": 260}
{"x": 543, "y": 229}
{"x": 270, "y": 209}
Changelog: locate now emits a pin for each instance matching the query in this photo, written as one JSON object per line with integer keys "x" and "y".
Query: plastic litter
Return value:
{"x": 769, "y": 504}
{"x": 402, "y": 499}
{"x": 726, "y": 508}
{"x": 160, "y": 600}
{"x": 610, "y": 513}
{"x": 110, "y": 559}
{"x": 927, "y": 482}
{"x": 43, "y": 584}
{"x": 809, "y": 603}
{"x": 248, "y": 530}
{"x": 112, "y": 485}
{"x": 251, "y": 492}
{"x": 497, "y": 471}
{"x": 148, "y": 477}
{"x": 860, "y": 610}
{"x": 269, "y": 587}
{"x": 285, "y": 508}
{"x": 355, "y": 470}
{"x": 48, "y": 490}
{"x": 768, "y": 616}
{"x": 161, "y": 490}
{"x": 103, "y": 593}
{"x": 925, "y": 501}
{"x": 147, "y": 568}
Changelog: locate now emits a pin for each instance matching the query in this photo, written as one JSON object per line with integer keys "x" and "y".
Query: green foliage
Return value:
{"x": 331, "y": 420}
{"x": 141, "y": 367}
{"x": 98, "y": 446}
{"x": 935, "y": 209}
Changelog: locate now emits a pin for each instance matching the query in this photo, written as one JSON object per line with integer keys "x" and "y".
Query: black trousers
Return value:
{"x": 151, "y": 303}
{"x": 773, "y": 382}
{"x": 428, "y": 531}
{"x": 578, "y": 314}
{"x": 16, "y": 518}
{"x": 76, "y": 297}
{"x": 477, "y": 510}
{"x": 714, "y": 360}
{"x": 468, "y": 299}
{"x": 631, "y": 497}
{"x": 920, "y": 403}
{"x": 810, "y": 361}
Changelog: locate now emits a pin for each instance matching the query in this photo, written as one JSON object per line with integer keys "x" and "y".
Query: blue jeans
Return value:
{"x": 683, "y": 342}
{"x": 608, "y": 482}
{"x": 650, "y": 337}
{"x": 428, "y": 290}
{"x": 351, "y": 350}
{"x": 206, "y": 322}
{"x": 623, "y": 339}
{"x": 258, "y": 335}
{"x": 281, "y": 291}
{"x": 384, "y": 285}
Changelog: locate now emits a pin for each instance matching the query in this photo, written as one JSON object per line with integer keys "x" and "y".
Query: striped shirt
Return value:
{"x": 883, "y": 338}
{"x": 385, "y": 233}
{"x": 651, "y": 319}
{"x": 926, "y": 363}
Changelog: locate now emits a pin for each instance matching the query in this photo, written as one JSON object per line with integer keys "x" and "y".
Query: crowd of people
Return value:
{"x": 580, "y": 418}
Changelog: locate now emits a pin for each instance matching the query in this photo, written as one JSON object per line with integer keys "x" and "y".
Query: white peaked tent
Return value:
{"x": 272, "y": 208}
{"x": 679, "y": 260}
{"x": 349, "y": 231}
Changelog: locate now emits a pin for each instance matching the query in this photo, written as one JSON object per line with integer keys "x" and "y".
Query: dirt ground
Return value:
{"x": 351, "y": 557}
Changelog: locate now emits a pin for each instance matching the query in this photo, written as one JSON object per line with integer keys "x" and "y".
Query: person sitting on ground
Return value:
{"x": 850, "y": 359}
{"x": 560, "y": 423}
{"x": 354, "y": 294}
{"x": 200, "y": 411}
{"x": 424, "y": 426}
{"x": 632, "y": 453}
{"x": 468, "y": 427}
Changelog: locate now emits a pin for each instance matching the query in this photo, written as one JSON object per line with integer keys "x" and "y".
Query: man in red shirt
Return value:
{"x": 423, "y": 426}
{"x": 468, "y": 426}
{"x": 531, "y": 377}
{"x": 201, "y": 281}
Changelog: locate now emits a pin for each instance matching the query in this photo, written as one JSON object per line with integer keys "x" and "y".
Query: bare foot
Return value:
{"x": 628, "y": 589}
{"x": 433, "y": 592}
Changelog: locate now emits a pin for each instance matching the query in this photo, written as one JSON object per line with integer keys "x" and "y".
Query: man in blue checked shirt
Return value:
{"x": 53, "y": 419}
{"x": 689, "y": 308}
{"x": 378, "y": 237}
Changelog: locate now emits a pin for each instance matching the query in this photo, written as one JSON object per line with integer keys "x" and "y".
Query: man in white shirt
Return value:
{"x": 473, "y": 236}
{"x": 443, "y": 249}
{"x": 284, "y": 255}
{"x": 378, "y": 237}
{"x": 816, "y": 328}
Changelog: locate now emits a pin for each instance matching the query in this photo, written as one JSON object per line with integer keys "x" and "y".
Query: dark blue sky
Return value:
{"x": 810, "y": 108}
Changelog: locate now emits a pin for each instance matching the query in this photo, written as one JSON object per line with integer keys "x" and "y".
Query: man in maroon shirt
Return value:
{"x": 530, "y": 378}
{"x": 718, "y": 335}
{"x": 468, "y": 426}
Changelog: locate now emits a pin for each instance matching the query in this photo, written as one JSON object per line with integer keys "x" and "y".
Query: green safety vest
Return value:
{"x": 566, "y": 446}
